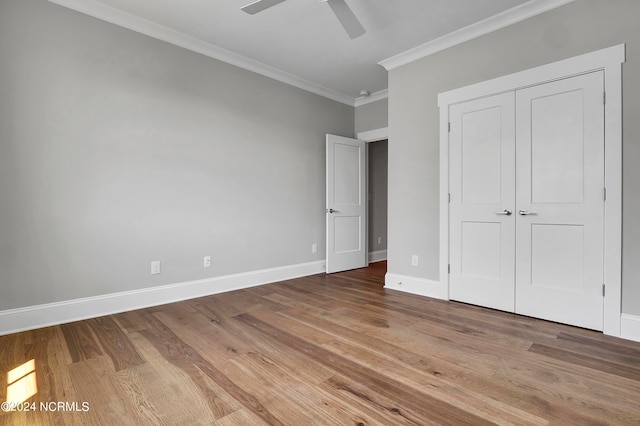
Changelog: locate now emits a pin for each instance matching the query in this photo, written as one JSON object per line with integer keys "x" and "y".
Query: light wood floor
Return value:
{"x": 334, "y": 350}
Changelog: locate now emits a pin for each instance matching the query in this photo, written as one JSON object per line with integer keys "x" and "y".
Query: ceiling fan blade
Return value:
{"x": 260, "y": 5}
{"x": 345, "y": 15}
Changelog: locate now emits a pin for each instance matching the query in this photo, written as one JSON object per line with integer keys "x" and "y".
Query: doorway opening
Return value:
{"x": 378, "y": 159}
{"x": 377, "y": 178}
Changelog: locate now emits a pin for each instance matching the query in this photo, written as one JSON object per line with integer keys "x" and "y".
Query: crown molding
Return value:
{"x": 377, "y": 96}
{"x": 135, "y": 23}
{"x": 509, "y": 17}
{"x": 143, "y": 26}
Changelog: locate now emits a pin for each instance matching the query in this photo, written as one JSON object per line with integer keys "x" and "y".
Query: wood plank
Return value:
{"x": 616, "y": 350}
{"x": 378, "y": 409}
{"x": 438, "y": 387}
{"x": 413, "y": 407}
{"x": 115, "y": 343}
{"x": 94, "y": 382}
{"x": 148, "y": 390}
{"x": 443, "y": 348}
{"x": 179, "y": 353}
{"x": 428, "y": 374}
{"x": 621, "y": 370}
{"x": 312, "y": 372}
{"x": 241, "y": 417}
{"x": 295, "y": 394}
{"x": 565, "y": 393}
{"x": 211, "y": 342}
{"x": 81, "y": 342}
{"x": 401, "y": 353}
{"x": 63, "y": 389}
{"x": 133, "y": 320}
{"x": 287, "y": 397}
{"x": 202, "y": 334}
{"x": 194, "y": 396}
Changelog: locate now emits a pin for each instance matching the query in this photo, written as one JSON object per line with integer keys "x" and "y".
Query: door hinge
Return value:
{"x": 604, "y": 98}
{"x": 449, "y": 197}
{"x": 449, "y": 268}
{"x": 603, "y": 291}
{"x": 449, "y": 127}
{"x": 604, "y": 194}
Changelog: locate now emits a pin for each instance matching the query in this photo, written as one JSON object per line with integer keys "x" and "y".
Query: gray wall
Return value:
{"x": 378, "y": 163}
{"x": 374, "y": 115}
{"x": 117, "y": 149}
{"x": 579, "y": 27}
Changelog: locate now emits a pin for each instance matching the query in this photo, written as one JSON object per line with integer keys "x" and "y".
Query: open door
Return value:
{"x": 346, "y": 204}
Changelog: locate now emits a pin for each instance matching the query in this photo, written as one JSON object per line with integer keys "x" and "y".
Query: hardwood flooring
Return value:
{"x": 323, "y": 350}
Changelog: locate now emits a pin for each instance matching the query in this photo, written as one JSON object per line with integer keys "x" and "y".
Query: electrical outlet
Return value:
{"x": 207, "y": 261}
{"x": 314, "y": 248}
{"x": 414, "y": 260}
{"x": 155, "y": 267}
{"x": 379, "y": 240}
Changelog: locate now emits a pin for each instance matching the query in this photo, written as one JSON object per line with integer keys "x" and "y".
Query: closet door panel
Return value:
{"x": 482, "y": 239}
{"x": 559, "y": 198}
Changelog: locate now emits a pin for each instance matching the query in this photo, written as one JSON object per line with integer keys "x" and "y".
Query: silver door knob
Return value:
{"x": 505, "y": 212}
{"x": 526, "y": 213}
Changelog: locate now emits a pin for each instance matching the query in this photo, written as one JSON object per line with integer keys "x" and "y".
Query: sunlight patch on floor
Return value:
{"x": 21, "y": 382}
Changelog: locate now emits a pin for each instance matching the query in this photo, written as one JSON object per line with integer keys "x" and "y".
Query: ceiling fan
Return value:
{"x": 343, "y": 12}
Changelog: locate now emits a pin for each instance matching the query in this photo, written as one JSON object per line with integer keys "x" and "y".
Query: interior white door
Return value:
{"x": 560, "y": 201}
{"x": 346, "y": 204}
{"x": 482, "y": 191}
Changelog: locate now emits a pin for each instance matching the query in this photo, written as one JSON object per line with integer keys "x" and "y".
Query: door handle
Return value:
{"x": 526, "y": 213}
{"x": 333, "y": 211}
{"x": 505, "y": 212}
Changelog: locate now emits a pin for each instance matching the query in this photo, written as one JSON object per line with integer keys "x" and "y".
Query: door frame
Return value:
{"x": 374, "y": 135}
{"x": 610, "y": 61}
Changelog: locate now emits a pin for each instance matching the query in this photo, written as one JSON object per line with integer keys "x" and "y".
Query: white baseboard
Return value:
{"x": 630, "y": 327}
{"x": 413, "y": 285}
{"x": 377, "y": 256}
{"x": 31, "y": 317}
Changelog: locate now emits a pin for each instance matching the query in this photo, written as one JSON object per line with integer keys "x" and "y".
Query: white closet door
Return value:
{"x": 560, "y": 184}
{"x": 482, "y": 229}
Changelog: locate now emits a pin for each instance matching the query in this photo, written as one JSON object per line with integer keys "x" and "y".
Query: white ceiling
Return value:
{"x": 301, "y": 40}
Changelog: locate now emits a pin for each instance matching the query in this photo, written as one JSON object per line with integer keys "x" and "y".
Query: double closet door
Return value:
{"x": 526, "y": 213}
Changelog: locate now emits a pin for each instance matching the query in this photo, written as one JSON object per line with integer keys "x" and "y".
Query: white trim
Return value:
{"x": 413, "y": 285}
{"x": 374, "y": 97}
{"x": 608, "y": 60}
{"x": 143, "y": 26}
{"x": 630, "y": 327}
{"x": 478, "y": 29}
{"x": 605, "y": 59}
{"x": 377, "y": 256}
{"x": 613, "y": 183}
{"x": 374, "y": 135}
{"x": 31, "y": 317}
